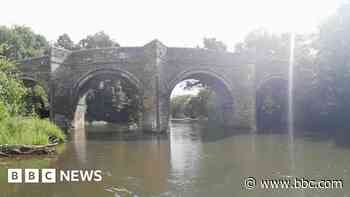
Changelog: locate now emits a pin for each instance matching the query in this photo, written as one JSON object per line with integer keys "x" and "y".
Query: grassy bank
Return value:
{"x": 29, "y": 131}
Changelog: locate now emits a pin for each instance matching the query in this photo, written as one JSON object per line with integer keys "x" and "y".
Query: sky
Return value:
{"x": 181, "y": 23}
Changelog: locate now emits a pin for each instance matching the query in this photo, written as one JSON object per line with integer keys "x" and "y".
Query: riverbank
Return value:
{"x": 28, "y": 136}
{"x": 9, "y": 150}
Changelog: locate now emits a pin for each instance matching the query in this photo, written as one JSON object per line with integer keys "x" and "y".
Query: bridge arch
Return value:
{"x": 84, "y": 83}
{"x": 24, "y": 77}
{"x": 271, "y": 78}
{"x": 38, "y": 94}
{"x": 218, "y": 83}
{"x": 79, "y": 85}
{"x": 198, "y": 73}
{"x": 271, "y": 102}
{"x": 33, "y": 80}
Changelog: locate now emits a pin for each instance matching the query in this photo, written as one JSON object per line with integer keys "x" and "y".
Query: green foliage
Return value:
{"x": 214, "y": 45}
{"x": 20, "y": 42}
{"x": 64, "y": 41}
{"x": 333, "y": 67}
{"x": 36, "y": 100}
{"x": 3, "y": 112}
{"x": 14, "y": 128}
{"x": 115, "y": 101}
{"x": 40, "y": 92}
{"x": 194, "y": 84}
{"x": 262, "y": 43}
{"x": 28, "y": 131}
{"x": 12, "y": 90}
{"x": 204, "y": 104}
{"x": 198, "y": 105}
{"x": 98, "y": 40}
{"x": 178, "y": 104}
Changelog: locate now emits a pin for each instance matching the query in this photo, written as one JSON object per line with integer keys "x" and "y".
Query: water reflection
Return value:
{"x": 79, "y": 135}
{"x": 186, "y": 154}
{"x": 193, "y": 160}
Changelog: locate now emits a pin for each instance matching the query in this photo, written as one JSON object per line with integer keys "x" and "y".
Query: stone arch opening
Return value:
{"x": 108, "y": 95}
{"x": 221, "y": 101}
{"x": 37, "y": 97}
{"x": 272, "y": 103}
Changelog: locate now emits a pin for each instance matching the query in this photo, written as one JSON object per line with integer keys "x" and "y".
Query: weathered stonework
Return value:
{"x": 154, "y": 70}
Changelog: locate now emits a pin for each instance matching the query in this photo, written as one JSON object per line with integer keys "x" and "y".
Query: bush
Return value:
{"x": 3, "y": 112}
{"x": 29, "y": 131}
{"x": 12, "y": 90}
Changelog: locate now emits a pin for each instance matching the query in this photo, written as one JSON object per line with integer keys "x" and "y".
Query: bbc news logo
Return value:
{"x": 52, "y": 175}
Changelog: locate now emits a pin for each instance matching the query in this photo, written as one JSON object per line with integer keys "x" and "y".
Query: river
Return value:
{"x": 193, "y": 160}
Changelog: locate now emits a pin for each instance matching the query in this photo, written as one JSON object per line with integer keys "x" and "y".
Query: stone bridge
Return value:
{"x": 154, "y": 70}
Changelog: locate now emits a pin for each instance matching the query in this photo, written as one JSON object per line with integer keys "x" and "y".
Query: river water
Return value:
{"x": 193, "y": 160}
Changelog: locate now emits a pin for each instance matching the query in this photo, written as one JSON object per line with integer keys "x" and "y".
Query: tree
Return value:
{"x": 20, "y": 42}
{"x": 64, "y": 41}
{"x": 262, "y": 43}
{"x": 178, "y": 105}
{"x": 113, "y": 101}
{"x": 98, "y": 40}
{"x": 214, "y": 45}
{"x": 333, "y": 61}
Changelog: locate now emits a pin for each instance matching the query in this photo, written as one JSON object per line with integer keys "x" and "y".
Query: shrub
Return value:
{"x": 12, "y": 90}
{"x": 3, "y": 111}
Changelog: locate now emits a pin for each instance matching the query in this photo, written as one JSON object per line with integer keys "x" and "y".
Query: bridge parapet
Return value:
{"x": 202, "y": 57}
{"x": 34, "y": 65}
{"x": 103, "y": 56}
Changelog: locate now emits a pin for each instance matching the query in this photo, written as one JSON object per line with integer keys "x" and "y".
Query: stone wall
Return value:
{"x": 37, "y": 70}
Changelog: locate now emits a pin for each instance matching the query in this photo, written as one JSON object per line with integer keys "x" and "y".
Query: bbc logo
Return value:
{"x": 31, "y": 176}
